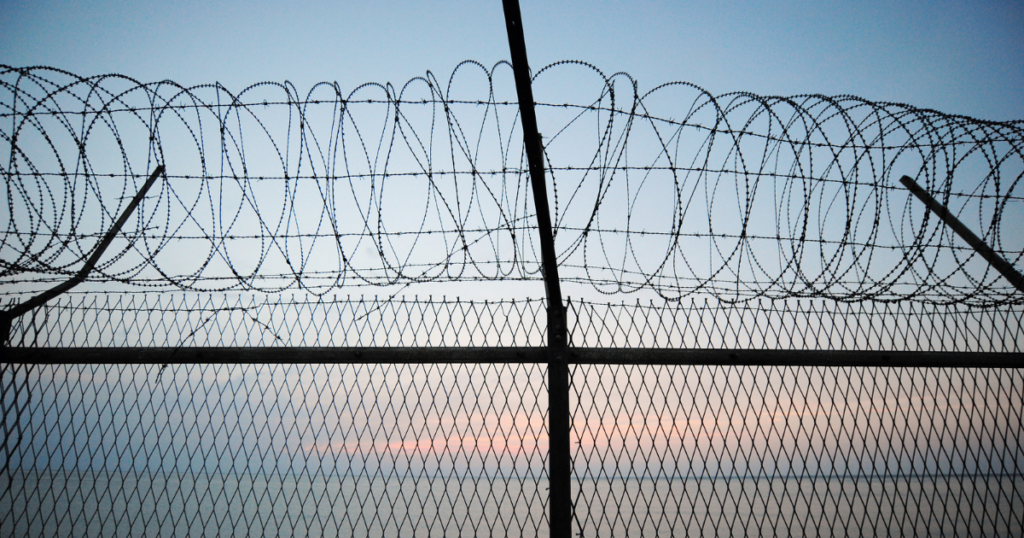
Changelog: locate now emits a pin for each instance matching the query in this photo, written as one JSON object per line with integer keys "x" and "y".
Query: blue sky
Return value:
{"x": 958, "y": 57}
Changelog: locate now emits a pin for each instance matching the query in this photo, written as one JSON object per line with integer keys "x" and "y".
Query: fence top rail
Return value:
{"x": 740, "y": 358}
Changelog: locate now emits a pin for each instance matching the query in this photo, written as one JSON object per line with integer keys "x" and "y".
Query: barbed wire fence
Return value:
{"x": 768, "y": 334}
{"x": 673, "y": 191}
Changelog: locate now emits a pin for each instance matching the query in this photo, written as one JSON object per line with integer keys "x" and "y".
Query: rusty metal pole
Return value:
{"x": 559, "y": 458}
{"x": 979, "y": 246}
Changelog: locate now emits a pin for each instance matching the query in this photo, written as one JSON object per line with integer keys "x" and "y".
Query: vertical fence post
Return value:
{"x": 559, "y": 459}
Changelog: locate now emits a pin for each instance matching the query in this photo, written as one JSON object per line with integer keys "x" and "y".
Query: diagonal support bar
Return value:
{"x": 559, "y": 423}
{"x": 941, "y": 211}
{"x": 8, "y": 316}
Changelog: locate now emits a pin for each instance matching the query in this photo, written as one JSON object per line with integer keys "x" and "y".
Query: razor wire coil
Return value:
{"x": 674, "y": 191}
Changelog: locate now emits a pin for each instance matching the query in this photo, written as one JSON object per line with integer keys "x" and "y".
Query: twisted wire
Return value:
{"x": 673, "y": 190}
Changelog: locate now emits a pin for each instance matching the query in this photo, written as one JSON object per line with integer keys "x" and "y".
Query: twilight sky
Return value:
{"x": 958, "y": 57}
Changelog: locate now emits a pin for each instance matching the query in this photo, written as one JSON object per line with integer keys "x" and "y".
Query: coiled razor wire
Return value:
{"x": 673, "y": 190}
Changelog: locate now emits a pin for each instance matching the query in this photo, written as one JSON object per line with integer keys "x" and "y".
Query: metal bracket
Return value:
{"x": 7, "y": 317}
{"x": 941, "y": 211}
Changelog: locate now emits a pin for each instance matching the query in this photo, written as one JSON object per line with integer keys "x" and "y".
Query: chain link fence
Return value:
{"x": 797, "y": 325}
{"x": 460, "y": 449}
{"x": 195, "y": 320}
{"x": 215, "y": 320}
{"x": 232, "y": 450}
{"x": 825, "y": 356}
{"x": 665, "y": 450}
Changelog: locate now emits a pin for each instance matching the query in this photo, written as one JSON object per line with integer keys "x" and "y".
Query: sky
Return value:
{"x": 957, "y": 57}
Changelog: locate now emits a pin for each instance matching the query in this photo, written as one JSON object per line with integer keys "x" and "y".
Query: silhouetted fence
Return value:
{"x": 459, "y": 449}
{"x": 221, "y": 321}
{"x": 671, "y": 192}
{"x": 443, "y": 443}
{"x": 775, "y": 337}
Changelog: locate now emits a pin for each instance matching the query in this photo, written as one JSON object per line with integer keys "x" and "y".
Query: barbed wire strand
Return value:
{"x": 673, "y": 190}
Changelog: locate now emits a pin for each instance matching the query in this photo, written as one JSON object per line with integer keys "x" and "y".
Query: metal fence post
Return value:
{"x": 559, "y": 458}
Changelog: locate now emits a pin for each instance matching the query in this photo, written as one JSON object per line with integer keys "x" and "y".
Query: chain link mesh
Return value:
{"x": 141, "y": 320}
{"x": 460, "y": 449}
{"x": 796, "y": 325}
{"x": 208, "y": 450}
{"x": 675, "y": 450}
{"x": 797, "y": 451}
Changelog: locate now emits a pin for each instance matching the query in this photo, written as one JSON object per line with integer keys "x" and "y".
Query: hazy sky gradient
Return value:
{"x": 958, "y": 57}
